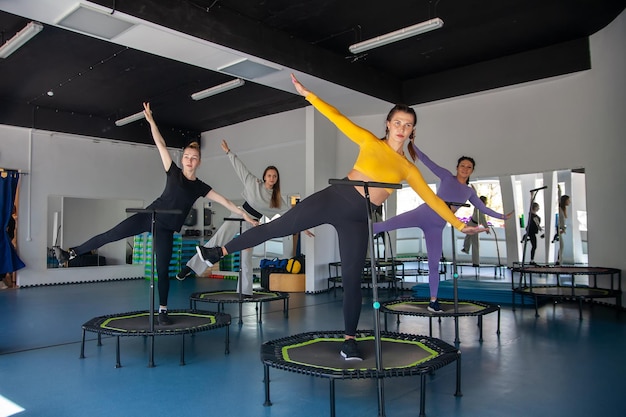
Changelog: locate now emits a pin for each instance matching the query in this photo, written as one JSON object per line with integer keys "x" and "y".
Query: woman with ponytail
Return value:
{"x": 182, "y": 189}
{"x": 452, "y": 188}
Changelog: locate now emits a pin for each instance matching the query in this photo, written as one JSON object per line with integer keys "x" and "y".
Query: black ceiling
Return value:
{"x": 482, "y": 45}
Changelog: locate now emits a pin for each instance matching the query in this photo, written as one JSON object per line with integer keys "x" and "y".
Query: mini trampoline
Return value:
{"x": 137, "y": 323}
{"x": 317, "y": 354}
{"x": 560, "y": 291}
{"x": 419, "y": 307}
{"x": 258, "y": 297}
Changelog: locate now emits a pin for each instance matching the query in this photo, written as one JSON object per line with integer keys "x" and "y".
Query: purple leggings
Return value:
{"x": 432, "y": 225}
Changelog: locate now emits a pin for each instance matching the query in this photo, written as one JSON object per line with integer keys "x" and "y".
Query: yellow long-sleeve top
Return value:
{"x": 381, "y": 163}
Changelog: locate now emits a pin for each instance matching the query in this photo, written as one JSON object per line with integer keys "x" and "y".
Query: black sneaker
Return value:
{"x": 184, "y": 273}
{"x": 465, "y": 251}
{"x": 164, "y": 319}
{"x": 434, "y": 307}
{"x": 61, "y": 255}
{"x": 350, "y": 351}
{"x": 209, "y": 256}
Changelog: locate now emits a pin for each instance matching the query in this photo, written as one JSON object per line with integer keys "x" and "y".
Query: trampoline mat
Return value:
{"x": 420, "y": 308}
{"x": 319, "y": 354}
{"x": 583, "y": 292}
{"x": 325, "y": 353}
{"x": 138, "y": 323}
{"x": 567, "y": 270}
{"x": 233, "y": 296}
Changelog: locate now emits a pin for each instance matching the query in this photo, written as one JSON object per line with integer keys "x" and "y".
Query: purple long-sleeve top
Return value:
{"x": 451, "y": 190}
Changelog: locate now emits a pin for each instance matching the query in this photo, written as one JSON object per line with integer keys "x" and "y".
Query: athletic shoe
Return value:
{"x": 184, "y": 273}
{"x": 164, "y": 319}
{"x": 209, "y": 256}
{"x": 465, "y": 251}
{"x": 434, "y": 307}
{"x": 350, "y": 351}
{"x": 63, "y": 256}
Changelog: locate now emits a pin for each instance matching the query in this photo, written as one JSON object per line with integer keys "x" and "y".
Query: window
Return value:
{"x": 407, "y": 199}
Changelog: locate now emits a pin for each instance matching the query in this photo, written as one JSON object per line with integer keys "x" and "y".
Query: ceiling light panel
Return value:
{"x": 94, "y": 22}
{"x": 247, "y": 69}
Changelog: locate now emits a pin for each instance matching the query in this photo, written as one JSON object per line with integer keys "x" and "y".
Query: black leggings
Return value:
{"x": 340, "y": 206}
{"x": 533, "y": 245}
{"x": 136, "y": 224}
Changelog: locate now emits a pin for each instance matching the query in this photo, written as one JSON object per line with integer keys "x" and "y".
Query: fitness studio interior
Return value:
{"x": 533, "y": 91}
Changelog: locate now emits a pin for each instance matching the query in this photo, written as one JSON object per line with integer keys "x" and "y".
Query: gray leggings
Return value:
{"x": 340, "y": 206}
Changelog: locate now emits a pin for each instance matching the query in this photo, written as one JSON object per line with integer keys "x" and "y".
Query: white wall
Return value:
{"x": 565, "y": 122}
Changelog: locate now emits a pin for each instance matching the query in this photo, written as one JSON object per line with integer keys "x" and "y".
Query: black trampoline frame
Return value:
{"x": 258, "y": 297}
{"x": 96, "y": 324}
{"x": 486, "y": 309}
{"x": 272, "y": 356}
{"x": 571, "y": 292}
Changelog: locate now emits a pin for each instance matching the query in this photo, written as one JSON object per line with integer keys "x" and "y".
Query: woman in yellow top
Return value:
{"x": 379, "y": 160}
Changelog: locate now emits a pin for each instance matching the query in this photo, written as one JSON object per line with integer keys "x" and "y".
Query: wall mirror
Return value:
{"x": 73, "y": 220}
{"x": 507, "y": 193}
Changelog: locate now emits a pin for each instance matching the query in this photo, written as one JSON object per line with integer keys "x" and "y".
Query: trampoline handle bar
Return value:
{"x": 147, "y": 210}
{"x": 370, "y": 184}
{"x": 454, "y": 203}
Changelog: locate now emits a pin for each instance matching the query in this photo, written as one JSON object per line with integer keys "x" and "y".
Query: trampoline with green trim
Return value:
{"x": 137, "y": 323}
{"x": 419, "y": 307}
{"x": 225, "y": 297}
{"x": 317, "y": 354}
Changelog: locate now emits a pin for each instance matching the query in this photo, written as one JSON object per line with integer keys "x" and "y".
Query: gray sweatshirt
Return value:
{"x": 254, "y": 192}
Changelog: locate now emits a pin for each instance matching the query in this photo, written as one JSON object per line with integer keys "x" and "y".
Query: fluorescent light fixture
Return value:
{"x": 129, "y": 119}
{"x": 397, "y": 35}
{"x": 237, "y": 82}
{"x": 20, "y": 39}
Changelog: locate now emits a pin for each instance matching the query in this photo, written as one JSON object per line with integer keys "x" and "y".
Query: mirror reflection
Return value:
{"x": 73, "y": 220}
{"x": 505, "y": 242}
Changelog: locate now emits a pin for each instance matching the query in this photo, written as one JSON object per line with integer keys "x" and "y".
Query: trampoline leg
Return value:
{"x": 423, "y": 395}
{"x": 259, "y": 308}
{"x": 151, "y": 359}
{"x": 227, "y": 340}
{"x": 456, "y": 330}
{"x": 266, "y": 382}
{"x": 286, "y": 307}
{"x": 332, "y": 397}
{"x": 182, "y": 350}
{"x": 118, "y": 364}
{"x": 536, "y": 307}
{"x": 430, "y": 326}
{"x": 82, "y": 347}
{"x": 240, "y": 314}
{"x": 385, "y": 322}
{"x": 480, "y": 328}
{"x": 498, "y": 329}
{"x": 580, "y": 308}
{"x": 458, "y": 376}
{"x": 99, "y": 339}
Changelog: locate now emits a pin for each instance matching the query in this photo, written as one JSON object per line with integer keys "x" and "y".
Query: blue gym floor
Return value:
{"x": 553, "y": 365}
